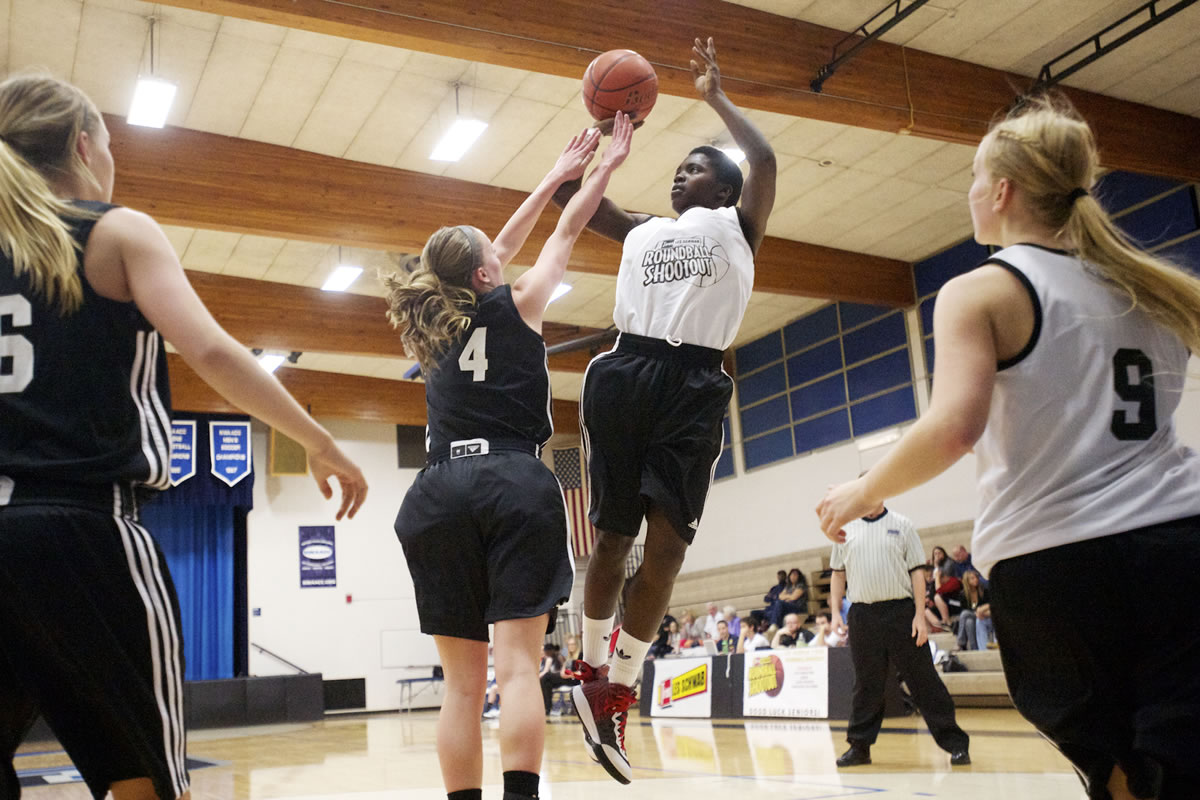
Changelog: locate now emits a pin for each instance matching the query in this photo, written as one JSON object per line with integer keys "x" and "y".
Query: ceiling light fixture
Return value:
{"x": 342, "y": 277}
{"x": 153, "y": 96}
{"x": 271, "y": 361}
{"x": 735, "y": 153}
{"x": 458, "y": 139}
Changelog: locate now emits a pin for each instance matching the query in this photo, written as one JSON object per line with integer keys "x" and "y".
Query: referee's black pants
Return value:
{"x": 879, "y": 631}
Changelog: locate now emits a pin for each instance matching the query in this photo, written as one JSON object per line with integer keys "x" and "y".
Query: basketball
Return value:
{"x": 619, "y": 80}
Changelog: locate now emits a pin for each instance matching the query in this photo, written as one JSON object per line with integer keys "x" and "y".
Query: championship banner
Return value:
{"x": 318, "y": 562}
{"x": 682, "y": 688}
{"x": 183, "y": 450}
{"x": 787, "y": 683}
{"x": 229, "y": 446}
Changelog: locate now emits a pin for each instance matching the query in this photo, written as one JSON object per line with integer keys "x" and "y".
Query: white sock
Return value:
{"x": 626, "y": 664}
{"x": 596, "y": 634}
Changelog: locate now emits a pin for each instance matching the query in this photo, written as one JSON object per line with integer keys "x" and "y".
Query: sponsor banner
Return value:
{"x": 787, "y": 683}
{"x": 183, "y": 450}
{"x": 682, "y": 688}
{"x": 229, "y": 446}
{"x": 689, "y": 746}
{"x": 318, "y": 558}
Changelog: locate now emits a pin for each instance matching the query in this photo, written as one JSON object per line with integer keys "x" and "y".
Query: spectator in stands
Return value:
{"x": 491, "y": 698}
{"x": 662, "y": 644}
{"x": 724, "y": 639}
{"x": 975, "y": 621}
{"x": 791, "y": 600}
{"x": 674, "y": 637}
{"x": 947, "y": 577}
{"x": 773, "y": 593}
{"x": 791, "y": 634}
{"x": 960, "y": 563}
{"x": 549, "y": 669}
{"x": 733, "y": 620}
{"x": 937, "y": 613}
{"x": 692, "y": 631}
{"x": 710, "y": 621}
{"x": 754, "y": 635}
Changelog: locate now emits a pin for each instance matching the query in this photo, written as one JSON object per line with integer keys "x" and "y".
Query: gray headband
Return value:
{"x": 476, "y": 256}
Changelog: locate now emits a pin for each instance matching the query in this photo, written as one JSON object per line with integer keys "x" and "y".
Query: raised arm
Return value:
{"x": 531, "y": 292}
{"x": 758, "y": 192}
{"x": 570, "y": 166}
{"x": 161, "y": 291}
{"x": 609, "y": 220}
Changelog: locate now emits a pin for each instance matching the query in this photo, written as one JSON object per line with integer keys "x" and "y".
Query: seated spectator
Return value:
{"x": 691, "y": 632}
{"x": 710, "y": 621}
{"x": 791, "y": 600}
{"x": 561, "y": 674}
{"x": 975, "y": 621}
{"x": 825, "y": 635}
{"x": 773, "y": 593}
{"x": 548, "y": 671}
{"x": 947, "y": 577}
{"x": 491, "y": 697}
{"x": 937, "y": 613}
{"x": 662, "y": 645}
{"x": 791, "y": 634}
{"x": 754, "y": 635}
{"x": 724, "y": 639}
{"x": 734, "y": 621}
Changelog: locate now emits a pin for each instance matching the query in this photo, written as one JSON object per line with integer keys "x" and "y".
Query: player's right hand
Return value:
{"x": 331, "y": 461}
{"x": 605, "y": 126}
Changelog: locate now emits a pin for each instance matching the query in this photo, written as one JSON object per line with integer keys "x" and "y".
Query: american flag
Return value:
{"x": 568, "y": 468}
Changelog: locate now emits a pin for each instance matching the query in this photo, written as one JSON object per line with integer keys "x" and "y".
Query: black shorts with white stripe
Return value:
{"x": 90, "y": 638}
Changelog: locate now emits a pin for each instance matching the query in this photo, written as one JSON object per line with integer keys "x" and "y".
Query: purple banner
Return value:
{"x": 318, "y": 562}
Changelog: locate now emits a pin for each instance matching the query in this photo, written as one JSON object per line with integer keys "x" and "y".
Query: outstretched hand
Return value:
{"x": 577, "y": 155}
{"x": 705, "y": 72}
{"x": 842, "y": 504}
{"x": 605, "y": 126}
{"x": 622, "y": 134}
{"x": 331, "y": 461}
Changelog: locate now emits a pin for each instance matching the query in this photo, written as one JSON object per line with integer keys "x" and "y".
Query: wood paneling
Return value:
{"x": 767, "y": 62}
{"x": 204, "y": 180}
{"x": 330, "y": 394}
{"x": 282, "y": 316}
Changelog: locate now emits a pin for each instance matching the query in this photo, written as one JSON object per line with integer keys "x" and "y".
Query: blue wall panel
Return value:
{"x": 1163, "y": 220}
{"x": 929, "y": 356}
{"x": 818, "y": 397}
{"x": 1186, "y": 254}
{"x": 875, "y": 338}
{"x": 761, "y": 384}
{"x": 759, "y": 352}
{"x": 884, "y": 411}
{"x": 809, "y": 330}
{"x": 822, "y": 431}
{"x": 724, "y": 464}
{"x": 927, "y": 315}
{"x": 764, "y": 417}
{"x": 854, "y": 314}
{"x": 812, "y": 364}
{"x": 933, "y": 272}
{"x": 772, "y": 447}
{"x": 882, "y": 373}
{"x": 1120, "y": 190}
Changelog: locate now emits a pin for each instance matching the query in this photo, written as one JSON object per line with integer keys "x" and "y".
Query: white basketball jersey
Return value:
{"x": 1080, "y": 440}
{"x": 686, "y": 280}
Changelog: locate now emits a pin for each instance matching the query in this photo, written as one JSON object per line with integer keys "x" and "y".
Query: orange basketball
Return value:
{"x": 619, "y": 80}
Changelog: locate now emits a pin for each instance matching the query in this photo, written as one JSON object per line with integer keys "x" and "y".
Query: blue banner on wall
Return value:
{"x": 229, "y": 444}
{"x": 318, "y": 561}
{"x": 183, "y": 450}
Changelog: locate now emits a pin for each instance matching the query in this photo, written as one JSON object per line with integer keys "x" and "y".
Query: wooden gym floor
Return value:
{"x": 393, "y": 757}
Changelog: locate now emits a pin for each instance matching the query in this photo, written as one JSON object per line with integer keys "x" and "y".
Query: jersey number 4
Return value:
{"x": 1139, "y": 389}
{"x": 16, "y": 352}
{"x": 474, "y": 355}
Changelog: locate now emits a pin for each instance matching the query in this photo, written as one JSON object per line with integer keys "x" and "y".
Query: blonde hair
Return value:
{"x": 433, "y": 304}
{"x": 40, "y": 122}
{"x": 1050, "y": 152}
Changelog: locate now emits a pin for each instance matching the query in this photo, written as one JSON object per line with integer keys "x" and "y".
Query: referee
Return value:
{"x": 883, "y": 560}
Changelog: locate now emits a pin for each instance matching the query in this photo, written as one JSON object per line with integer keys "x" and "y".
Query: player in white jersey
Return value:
{"x": 652, "y": 408}
{"x": 1061, "y": 361}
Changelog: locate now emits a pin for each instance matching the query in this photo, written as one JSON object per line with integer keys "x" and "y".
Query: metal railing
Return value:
{"x": 279, "y": 658}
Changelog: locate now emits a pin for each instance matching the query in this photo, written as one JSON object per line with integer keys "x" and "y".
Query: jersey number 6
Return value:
{"x": 474, "y": 355}
{"x": 16, "y": 352}
{"x": 1139, "y": 390}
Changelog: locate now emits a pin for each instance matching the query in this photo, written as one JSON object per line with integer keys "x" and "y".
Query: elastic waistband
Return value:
{"x": 469, "y": 448}
{"x": 690, "y": 355}
{"x": 120, "y": 499}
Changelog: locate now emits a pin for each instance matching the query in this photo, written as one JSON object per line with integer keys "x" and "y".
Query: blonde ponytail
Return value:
{"x": 1047, "y": 150}
{"x": 40, "y": 121}
{"x": 434, "y": 304}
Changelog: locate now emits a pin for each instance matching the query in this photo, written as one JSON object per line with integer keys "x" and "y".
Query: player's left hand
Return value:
{"x": 577, "y": 155}
{"x": 705, "y": 72}
{"x": 842, "y": 504}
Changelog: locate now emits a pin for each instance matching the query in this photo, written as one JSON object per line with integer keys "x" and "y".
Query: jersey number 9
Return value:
{"x": 1139, "y": 390}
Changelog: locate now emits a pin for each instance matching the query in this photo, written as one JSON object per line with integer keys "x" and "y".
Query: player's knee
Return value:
{"x": 611, "y": 548}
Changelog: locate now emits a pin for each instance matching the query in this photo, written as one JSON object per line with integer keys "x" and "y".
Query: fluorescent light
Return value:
{"x": 877, "y": 439}
{"x": 341, "y": 278}
{"x": 737, "y": 155}
{"x": 458, "y": 139}
{"x": 151, "y": 102}
{"x": 270, "y": 362}
{"x": 559, "y": 291}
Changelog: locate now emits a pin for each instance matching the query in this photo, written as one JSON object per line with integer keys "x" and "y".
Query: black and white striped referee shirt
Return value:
{"x": 878, "y": 556}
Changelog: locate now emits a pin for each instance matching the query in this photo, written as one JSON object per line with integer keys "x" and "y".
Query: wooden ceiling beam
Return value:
{"x": 767, "y": 62}
{"x": 282, "y": 316}
{"x": 205, "y": 180}
{"x": 331, "y": 394}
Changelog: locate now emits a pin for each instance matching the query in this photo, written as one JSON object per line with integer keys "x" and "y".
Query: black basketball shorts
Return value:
{"x": 90, "y": 638}
{"x": 651, "y": 415}
{"x": 1109, "y": 667}
{"x": 486, "y": 540}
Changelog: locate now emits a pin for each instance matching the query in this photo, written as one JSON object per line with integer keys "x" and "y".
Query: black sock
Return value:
{"x": 522, "y": 784}
{"x": 465, "y": 794}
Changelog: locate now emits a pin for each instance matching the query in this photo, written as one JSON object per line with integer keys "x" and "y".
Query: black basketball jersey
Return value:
{"x": 493, "y": 382}
{"x": 84, "y": 398}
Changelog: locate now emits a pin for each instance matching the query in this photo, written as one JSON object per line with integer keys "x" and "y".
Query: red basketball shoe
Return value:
{"x": 603, "y": 707}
